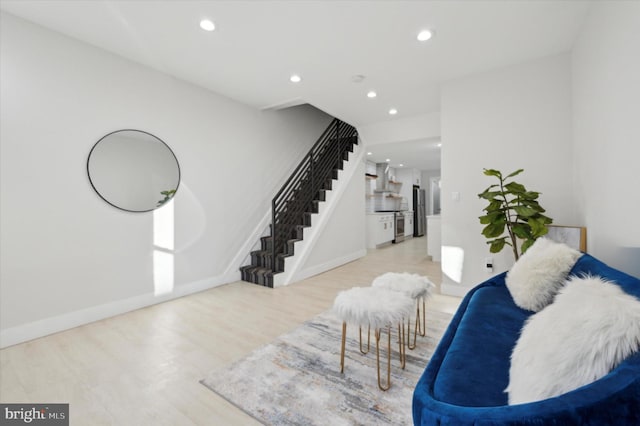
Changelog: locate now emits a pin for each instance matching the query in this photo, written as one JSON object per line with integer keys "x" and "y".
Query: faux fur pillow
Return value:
{"x": 590, "y": 328}
{"x": 539, "y": 273}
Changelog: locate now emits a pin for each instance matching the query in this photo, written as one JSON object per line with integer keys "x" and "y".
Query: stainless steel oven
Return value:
{"x": 398, "y": 227}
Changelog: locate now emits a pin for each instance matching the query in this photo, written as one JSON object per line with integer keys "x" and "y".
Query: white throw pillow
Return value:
{"x": 590, "y": 328}
{"x": 539, "y": 273}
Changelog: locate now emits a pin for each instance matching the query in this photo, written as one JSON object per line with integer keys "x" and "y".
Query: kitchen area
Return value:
{"x": 396, "y": 204}
{"x": 402, "y": 182}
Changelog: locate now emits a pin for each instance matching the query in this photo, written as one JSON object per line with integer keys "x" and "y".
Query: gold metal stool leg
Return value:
{"x": 422, "y": 328}
{"x": 344, "y": 336}
{"x": 415, "y": 332}
{"x": 377, "y": 333}
{"x": 368, "y": 340}
{"x": 402, "y": 350}
{"x": 423, "y": 331}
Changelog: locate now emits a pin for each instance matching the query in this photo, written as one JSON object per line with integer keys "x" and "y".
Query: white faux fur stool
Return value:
{"x": 376, "y": 308}
{"x": 416, "y": 287}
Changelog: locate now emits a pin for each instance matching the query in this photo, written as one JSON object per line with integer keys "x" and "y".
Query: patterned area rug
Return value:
{"x": 296, "y": 379}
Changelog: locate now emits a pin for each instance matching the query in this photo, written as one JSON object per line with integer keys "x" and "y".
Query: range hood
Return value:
{"x": 382, "y": 183}
{"x": 387, "y": 191}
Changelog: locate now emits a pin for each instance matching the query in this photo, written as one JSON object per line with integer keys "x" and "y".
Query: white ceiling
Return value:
{"x": 258, "y": 44}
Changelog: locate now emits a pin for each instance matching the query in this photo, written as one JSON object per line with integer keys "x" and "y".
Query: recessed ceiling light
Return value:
{"x": 425, "y": 35}
{"x": 371, "y": 94}
{"x": 401, "y": 165}
{"x": 387, "y": 160}
{"x": 369, "y": 153}
{"x": 207, "y": 25}
{"x": 295, "y": 78}
{"x": 439, "y": 145}
{"x": 393, "y": 111}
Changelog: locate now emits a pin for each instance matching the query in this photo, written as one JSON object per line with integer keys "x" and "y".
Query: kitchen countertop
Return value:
{"x": 403, "y": 211}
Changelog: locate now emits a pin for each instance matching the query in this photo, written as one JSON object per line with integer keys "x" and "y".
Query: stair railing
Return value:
{"x": 296, "y": 197}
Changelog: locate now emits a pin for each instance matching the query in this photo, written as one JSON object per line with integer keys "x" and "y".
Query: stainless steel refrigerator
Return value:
{"x": 419, "y": 212}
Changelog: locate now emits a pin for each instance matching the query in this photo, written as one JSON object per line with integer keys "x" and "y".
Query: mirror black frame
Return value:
{"x": 160, "y": 203}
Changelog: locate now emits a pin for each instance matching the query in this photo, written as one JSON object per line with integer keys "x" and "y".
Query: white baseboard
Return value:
{"x": 33, "y": 330}
{"x": 333, "y": 263}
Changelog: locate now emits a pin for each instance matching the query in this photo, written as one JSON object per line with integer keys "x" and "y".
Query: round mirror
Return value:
{"x": 133, "y": 170}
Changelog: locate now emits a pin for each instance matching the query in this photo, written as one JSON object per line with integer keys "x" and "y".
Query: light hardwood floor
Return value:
{"x": 144, "y": 367}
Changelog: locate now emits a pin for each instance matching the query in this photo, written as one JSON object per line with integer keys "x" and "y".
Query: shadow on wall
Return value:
{"x": 627, "y": 259}
{"x": 190, "y": 219}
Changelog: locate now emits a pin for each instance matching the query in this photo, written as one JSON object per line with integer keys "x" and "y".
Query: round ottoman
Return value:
{"x": 376, "y": 308}
{"x": 416, "y": 287}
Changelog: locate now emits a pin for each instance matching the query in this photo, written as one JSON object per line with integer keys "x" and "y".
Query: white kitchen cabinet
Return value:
{"x": 379, "y": 229}
{"x": 408, "y": 224}
{"x": 388, "y": 233}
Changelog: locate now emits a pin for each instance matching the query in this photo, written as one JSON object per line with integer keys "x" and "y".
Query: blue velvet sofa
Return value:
{"x": 465, "y": 380}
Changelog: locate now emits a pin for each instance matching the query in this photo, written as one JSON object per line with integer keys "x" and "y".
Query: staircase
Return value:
{"x": 298, "y": 200}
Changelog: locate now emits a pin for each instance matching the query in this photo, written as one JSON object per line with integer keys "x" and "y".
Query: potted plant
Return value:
{"x": 512, "y": 208}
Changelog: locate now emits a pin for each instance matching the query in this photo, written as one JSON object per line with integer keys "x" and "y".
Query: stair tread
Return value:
{"x": 261, "y": 252}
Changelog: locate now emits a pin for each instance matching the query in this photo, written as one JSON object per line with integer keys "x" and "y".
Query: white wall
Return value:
{"x": 426, "y": 185}
{"x": 406, "y": 176}
{"x": 343, "y": 238}
{"x": 422, "y": 126}
{"x": 511, "y": 118}
{"x": 66, "y": 256}
{"x": 606, "y": 120}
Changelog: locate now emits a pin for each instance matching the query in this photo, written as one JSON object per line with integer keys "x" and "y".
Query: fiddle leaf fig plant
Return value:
{"x": 514, "y": 209}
